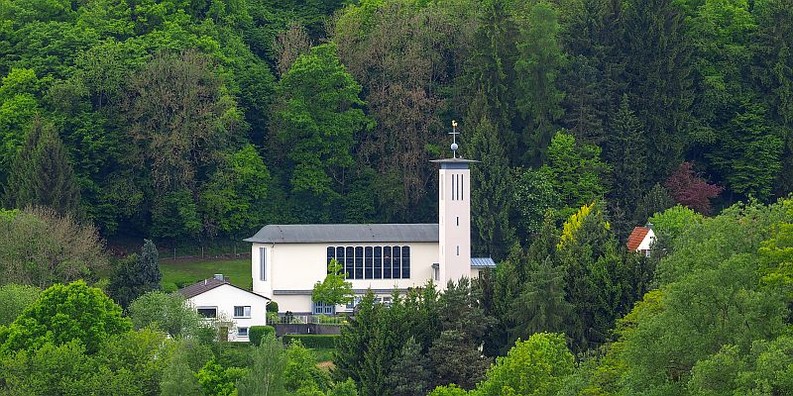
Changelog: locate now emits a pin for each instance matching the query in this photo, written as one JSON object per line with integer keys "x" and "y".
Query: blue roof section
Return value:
{"x": 482, "y": 262}
{"x": 346, "y": 233}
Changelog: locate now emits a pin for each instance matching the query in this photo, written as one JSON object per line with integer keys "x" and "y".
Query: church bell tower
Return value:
{"x": 454, "y": 216}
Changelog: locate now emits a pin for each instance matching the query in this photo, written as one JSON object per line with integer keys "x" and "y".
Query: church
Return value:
{"x": 287, "y": 260}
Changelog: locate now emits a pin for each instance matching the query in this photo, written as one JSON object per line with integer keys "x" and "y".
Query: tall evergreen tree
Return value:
{"x": 658, "y": 74}
{"x": 491, "y": 192}
{"x": 625, "y": 151}
{"x": 136, "y": 275}
{"x": 42, "y": 173}
{"x": 490, "y": 74}
{"x": 537, "y": 69}
{"x": 411, "y": 373}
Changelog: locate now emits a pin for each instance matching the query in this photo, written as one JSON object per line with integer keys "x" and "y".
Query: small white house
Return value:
{"x": 641, "y": 240}
{"x": 239, "y": 309}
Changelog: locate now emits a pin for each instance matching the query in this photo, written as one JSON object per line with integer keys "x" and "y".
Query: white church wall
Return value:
{"x": 295, "y": 268}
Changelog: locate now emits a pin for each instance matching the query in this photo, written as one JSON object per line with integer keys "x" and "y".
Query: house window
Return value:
{"x": 458, "y": 250}
{"x": 320, "y": 308}
{"x": 242, "y": 311}
{"x": 262, "y": 264}
{"x": 242, "y": 332}
{"x": 208, "y": 312}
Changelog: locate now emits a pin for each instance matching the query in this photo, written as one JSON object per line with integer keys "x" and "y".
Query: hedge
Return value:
{"x": 257, "y": 333}
{"x": 313, "y": 340}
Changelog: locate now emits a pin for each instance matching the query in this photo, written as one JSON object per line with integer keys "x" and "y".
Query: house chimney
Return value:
{"x": 219, "y": 277}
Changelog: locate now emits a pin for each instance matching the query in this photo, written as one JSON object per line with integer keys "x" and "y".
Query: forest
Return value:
{"x": 193, "y": 121}
{"x": 204, "y": 120}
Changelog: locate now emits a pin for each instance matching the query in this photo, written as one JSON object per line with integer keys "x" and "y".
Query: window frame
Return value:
{"x": 245, "y": 309}
{"x": 206, "y": 308}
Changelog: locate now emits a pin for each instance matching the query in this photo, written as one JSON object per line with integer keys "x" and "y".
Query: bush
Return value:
{"x": 257, "y": 333}
{"x": 313, "y": 340}
{"x": 272, "y": 307}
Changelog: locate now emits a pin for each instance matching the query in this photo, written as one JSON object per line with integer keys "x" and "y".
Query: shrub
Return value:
{"x": 272, "y": 307}
{"x": 257, "y": 333}
{"x": 313, "y": 340}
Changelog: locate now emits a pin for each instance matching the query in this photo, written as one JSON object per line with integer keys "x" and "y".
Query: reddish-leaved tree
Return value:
{"x": 689, "y": 189}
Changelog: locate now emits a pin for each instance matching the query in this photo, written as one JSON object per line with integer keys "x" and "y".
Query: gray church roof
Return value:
{"x": 346, "y": 233}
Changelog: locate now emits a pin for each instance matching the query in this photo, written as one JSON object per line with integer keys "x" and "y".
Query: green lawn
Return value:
{"x": 180, "y": 273}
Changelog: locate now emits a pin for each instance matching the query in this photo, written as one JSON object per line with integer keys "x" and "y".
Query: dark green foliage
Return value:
{"x": 658, "y": 73}
{"x": 136, "y": 275}
{"x": 257, "y": 333}
{"x": 490, "y": 193}
{"x": 326, "y": 341}
{"x": 317, "y": 116}
{"x": 411, "y": 371}
{"x": 657, "y": 199}
{"x": 42, "y": 174}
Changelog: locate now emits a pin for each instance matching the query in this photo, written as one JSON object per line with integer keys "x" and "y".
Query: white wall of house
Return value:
{"x": 224, "y": 299}
{"x": 647, "y": 242}
{"x": 296, "y": 267}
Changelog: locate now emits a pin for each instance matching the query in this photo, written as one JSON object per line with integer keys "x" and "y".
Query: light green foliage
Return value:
{"x": 50, "y": 370}
{"x": 334, "y": 289}
{"x": 713, "y": 312}
{"x": 344, "y": 388}
{"x": 165, "y": 312}
{"x": 55, "y": 249}
{"x": 266, "y": 375}
{"x": 216, "y": 380}
{"x": 14, "y": 299}
{"x": 185, "y": 357}
{"x": 578, "y": 173}
{"x": 64, "y": 313}
{"x": 18, "y": 107}
{"x": 448, "y": 390}
{"x": 135, "y": 355}
{"x": 317, "y": 116}
{"x": 674, "y": 223}
{"x": 536, "y": 366}
{"x": 534, "y": 197}
{"x": 301, "y": 372}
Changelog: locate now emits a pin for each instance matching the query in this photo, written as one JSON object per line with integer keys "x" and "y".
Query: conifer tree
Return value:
{"x": 491, "y": 193}
{"x": 136, "y": 275}
{"x": 411, "y": 370}
{"x": 42, "y": 173}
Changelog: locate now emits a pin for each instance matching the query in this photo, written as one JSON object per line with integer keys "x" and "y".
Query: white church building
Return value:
{"x": 287, "y": 260}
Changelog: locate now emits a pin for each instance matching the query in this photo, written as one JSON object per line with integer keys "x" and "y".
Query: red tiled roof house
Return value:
{"x": 641, "y": 240}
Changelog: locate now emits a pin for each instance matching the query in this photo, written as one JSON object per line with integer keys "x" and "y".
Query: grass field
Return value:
{"x": 180, "y": 273}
